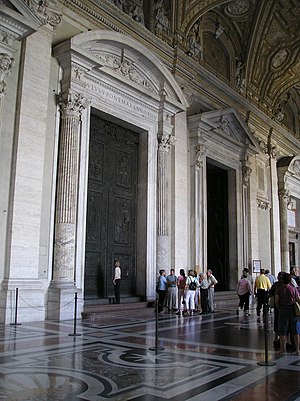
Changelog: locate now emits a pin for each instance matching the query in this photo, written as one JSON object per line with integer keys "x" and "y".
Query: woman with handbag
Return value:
{"x": 285, "y": 298}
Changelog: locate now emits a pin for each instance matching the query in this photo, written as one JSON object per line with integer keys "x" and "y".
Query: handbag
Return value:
{"x": 297, "y": 308}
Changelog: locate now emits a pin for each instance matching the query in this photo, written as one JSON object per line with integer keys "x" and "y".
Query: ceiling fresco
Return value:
{"x": 252, "y": 44}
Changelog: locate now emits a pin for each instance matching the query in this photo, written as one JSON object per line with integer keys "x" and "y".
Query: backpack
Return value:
{"x": 193, "y": 286}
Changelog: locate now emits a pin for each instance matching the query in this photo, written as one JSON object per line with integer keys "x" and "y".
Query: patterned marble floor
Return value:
{"x": 212, "y": 357}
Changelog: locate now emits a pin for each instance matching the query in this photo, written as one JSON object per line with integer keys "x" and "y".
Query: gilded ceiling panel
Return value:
{"x": 274, "y": 57}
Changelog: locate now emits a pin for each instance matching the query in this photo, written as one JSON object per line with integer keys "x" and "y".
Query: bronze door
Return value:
{"x": 111, "y": 208}
{"x": 217, "y": 225}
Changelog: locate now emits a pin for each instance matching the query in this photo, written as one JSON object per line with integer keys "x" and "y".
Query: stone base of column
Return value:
{"x": 162, "y": 253}
{"x": 22, "y": 301}
{"x": 61, "y": 302}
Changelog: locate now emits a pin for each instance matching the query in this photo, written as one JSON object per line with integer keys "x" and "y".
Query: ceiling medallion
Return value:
{"x": 239, "y": 8}
{"x": 279, "y": 58}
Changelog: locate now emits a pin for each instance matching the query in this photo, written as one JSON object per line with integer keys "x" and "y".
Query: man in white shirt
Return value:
{"x": 117, "y": 281}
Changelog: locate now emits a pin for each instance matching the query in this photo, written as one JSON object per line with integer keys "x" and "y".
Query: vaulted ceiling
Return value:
{"x": 253, "y": 44}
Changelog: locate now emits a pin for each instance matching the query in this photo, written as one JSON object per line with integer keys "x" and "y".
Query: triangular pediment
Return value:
{"x": 18, "y": 20}
{"x": 230, "y": 126}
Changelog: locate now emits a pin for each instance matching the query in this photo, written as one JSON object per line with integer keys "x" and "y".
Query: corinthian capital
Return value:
{"x": 285, "y": 195}
{"x": 6, "y": 64}
{"x": 166, "y": 141}
{"x": 46, "y": 11}
{"x": 72, "y": 103}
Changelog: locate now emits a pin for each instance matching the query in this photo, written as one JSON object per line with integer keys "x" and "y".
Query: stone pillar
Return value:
{"x": 284, "y": 199}
{"x": 165, "y": 141}
{"x": 274, "y": 214}
{"x": 23, "y": 269}
{"x": 246, "y": 171}
{"x": 200, "y": 246}
{"x": 63, "y": 284}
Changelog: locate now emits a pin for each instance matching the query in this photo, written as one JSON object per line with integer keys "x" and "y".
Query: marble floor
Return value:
{"x": 117, "y": 356}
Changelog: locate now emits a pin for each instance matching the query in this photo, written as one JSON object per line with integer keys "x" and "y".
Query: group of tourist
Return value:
{"x": 279, "y": 295}
{"x": 186, "y": 295}
{"x": 193, "y": 293}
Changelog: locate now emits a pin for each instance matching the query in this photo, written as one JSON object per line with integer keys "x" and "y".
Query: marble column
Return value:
{"x": 246, "y": 171}
{"x": 200, "y": 257}
{"x": 63, "y": 284}
{"x": 274, "y": 215}
{"x": 165, "y": 141}
{"x": 284, "y": 199}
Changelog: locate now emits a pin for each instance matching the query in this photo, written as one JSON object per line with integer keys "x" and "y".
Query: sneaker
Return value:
{"x": 178, "y": 313}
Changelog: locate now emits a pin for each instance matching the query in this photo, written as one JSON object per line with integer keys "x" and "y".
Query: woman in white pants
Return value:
{"x": 190, "y": 290}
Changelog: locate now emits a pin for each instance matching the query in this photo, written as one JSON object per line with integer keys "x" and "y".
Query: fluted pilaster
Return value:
{"x": 284, "y": 199}
{"x": 71, "y": 105}
{"x": 166, "y": 140}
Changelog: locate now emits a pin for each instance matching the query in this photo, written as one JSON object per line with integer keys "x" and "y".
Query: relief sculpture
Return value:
{"x": 122, "y": 221}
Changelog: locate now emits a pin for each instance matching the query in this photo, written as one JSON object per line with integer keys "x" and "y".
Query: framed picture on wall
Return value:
{"x": 256, "y": 266}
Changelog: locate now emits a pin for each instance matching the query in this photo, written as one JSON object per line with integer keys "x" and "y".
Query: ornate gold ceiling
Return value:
{"x": 253, "y": 44}
{"x": 259, "y": 40}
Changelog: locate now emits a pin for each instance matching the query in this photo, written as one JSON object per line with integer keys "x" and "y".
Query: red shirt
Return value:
{"x": 287, "y": 294}
{"x": 181, "y": 282}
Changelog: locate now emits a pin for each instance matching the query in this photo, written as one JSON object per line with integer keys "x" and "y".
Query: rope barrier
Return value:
{"x": 265, "y": 317}
{"x": 75, "y": 298}
{"x": 74, "y": 334}
{"x": 157, "y": 347}
{"x": 50, "y": 310}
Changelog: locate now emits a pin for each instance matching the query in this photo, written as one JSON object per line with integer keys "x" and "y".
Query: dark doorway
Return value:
{"x": 217, "y": 225}
{"x": 111, "y": 208}
{"x": 292, "y": 254}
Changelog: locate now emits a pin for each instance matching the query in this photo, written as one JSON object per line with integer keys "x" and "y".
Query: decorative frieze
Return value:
{"x": 46, "y": 11}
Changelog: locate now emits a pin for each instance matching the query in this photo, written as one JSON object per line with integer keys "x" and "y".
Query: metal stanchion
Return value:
{"x": 266, "y": 362}
{"x": 16, "y": 309}
{"x": 74, "y": 334}
{"x": 156, "y": 348}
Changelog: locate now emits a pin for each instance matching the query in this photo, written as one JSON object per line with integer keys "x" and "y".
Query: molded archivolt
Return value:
{"x": 121, "y": 56}
{"x": 288, "y": 169}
